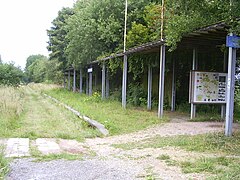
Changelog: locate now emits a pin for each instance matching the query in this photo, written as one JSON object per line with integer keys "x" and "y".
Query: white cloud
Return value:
{"x": 23, "y": 25}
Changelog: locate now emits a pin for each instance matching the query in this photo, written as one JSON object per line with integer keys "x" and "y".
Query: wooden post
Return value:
{"x": 104, "y": 81}
{"x": 74, "y": 80}
{"x": 107, "y": 83}
{"x": 149, "y": 100}
{"x": 161, "y": 81}
{"x": 173, "y": 102}
{"x": 230, "y": 90}
{"x": 124, "y": 82}
{"x": 69, "y": 80}
{"x": 80, "y": 82}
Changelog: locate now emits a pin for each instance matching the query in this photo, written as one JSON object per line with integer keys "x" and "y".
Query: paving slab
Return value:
{"x": 17, "y": 147}
{"x": 47, "y": 146}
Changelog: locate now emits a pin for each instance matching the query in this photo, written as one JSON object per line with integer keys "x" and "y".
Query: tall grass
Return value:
{"x": 11, "y": 108}
{"x": 4, "y": 167}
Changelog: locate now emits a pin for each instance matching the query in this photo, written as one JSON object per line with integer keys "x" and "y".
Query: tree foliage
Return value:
{"x": 10, "y": 74}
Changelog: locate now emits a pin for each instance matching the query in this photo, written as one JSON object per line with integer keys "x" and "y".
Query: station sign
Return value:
{"x": 233, "y": 41}
{"x": 90, "y": 70}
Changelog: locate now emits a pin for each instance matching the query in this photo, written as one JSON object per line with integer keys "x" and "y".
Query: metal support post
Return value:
{"x": 90, "y": 84}
{"x": 194, "y": 67}
{"x": 103, "y": 81}
{"x": 69, "y": 80}
{"x": 149, "y": 100}
{"x": 74, "y": 80}
{"x": 87, "y": 85}
{"x": 161, "y": 81}
{"x": 64, "y": 81}
{"x": 230, "y": 91}
{"x": 223, "y": 106}
{"x": 80, "y": 81}
{"x": 107, "y": 83}
{"x": 124, "y": 83}
{"x": 173, "y": 102}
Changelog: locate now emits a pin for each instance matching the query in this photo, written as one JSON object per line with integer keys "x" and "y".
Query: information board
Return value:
{"x": 208, "y": 87}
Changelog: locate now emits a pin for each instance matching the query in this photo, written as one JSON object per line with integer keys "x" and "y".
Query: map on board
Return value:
{"x": 208, "y": 87}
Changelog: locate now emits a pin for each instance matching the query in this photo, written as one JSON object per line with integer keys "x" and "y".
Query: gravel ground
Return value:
{"x": 26, "y": 169}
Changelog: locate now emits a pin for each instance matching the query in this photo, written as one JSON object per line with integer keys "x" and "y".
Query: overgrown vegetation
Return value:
{"x": 25, "y": 113}
{"x": 10, "y": 74}
{"x": 202, "y": 143}
{"x": 4, "y": 164}
{"x": 223, "y": 165}
{"x": 108, "y": 112}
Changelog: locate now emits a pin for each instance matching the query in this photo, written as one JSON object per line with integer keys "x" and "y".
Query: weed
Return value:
{"x": 163, "y": 157}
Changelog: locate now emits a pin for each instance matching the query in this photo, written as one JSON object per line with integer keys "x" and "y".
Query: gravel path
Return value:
{"x": 112, "y": 163}
{"x": 24, "y": 169}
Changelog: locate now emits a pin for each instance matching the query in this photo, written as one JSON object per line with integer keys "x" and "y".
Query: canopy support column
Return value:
{"x": 69, "y": 80}
{"x": 194, "y": 67}
{"x": 107, "y": 83}
{"x": 161, "y": 81}
{"x": 124, "y": 82}
{"x": 74, "y": 80}
{"x": 149, "y": 100}
{"x": 90, "y": 84}
{"x": 173, "y": 102}
{"x": 87, "y": 85}
{"x": 104, "y": 81}
{"x": 230, "y": 90}
{"x": 64, "y": 80}
{"x": 223, "y": 106}
{"x": 81, "y": 82}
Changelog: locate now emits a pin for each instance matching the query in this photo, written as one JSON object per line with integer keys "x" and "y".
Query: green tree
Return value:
{"x": 57, "y": 36}
{"x": 10, "y": 74}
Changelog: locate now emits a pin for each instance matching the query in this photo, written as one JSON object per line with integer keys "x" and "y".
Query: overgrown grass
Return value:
{"x": 4, "y": 164}
{"x": 108, "y": 112}
{"x": 27, "y": 114}
{"x": 202, "y": 143}
{"x": 226, "y": 165}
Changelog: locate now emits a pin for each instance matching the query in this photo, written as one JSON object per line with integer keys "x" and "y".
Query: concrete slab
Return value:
{"x": 17, "y": 147}
{"x": 47, "y": 146}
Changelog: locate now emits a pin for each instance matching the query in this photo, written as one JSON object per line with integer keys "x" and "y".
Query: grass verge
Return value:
{"x": 110, "y": 113}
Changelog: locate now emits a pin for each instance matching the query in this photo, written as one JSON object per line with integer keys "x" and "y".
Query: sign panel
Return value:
{"x": 208, "y": 87}
{"x": 233, "y": 41}
{"x": 90, "y": 70}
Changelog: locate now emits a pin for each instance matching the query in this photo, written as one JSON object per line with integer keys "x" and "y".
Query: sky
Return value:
{"x": 23, "y": 25}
